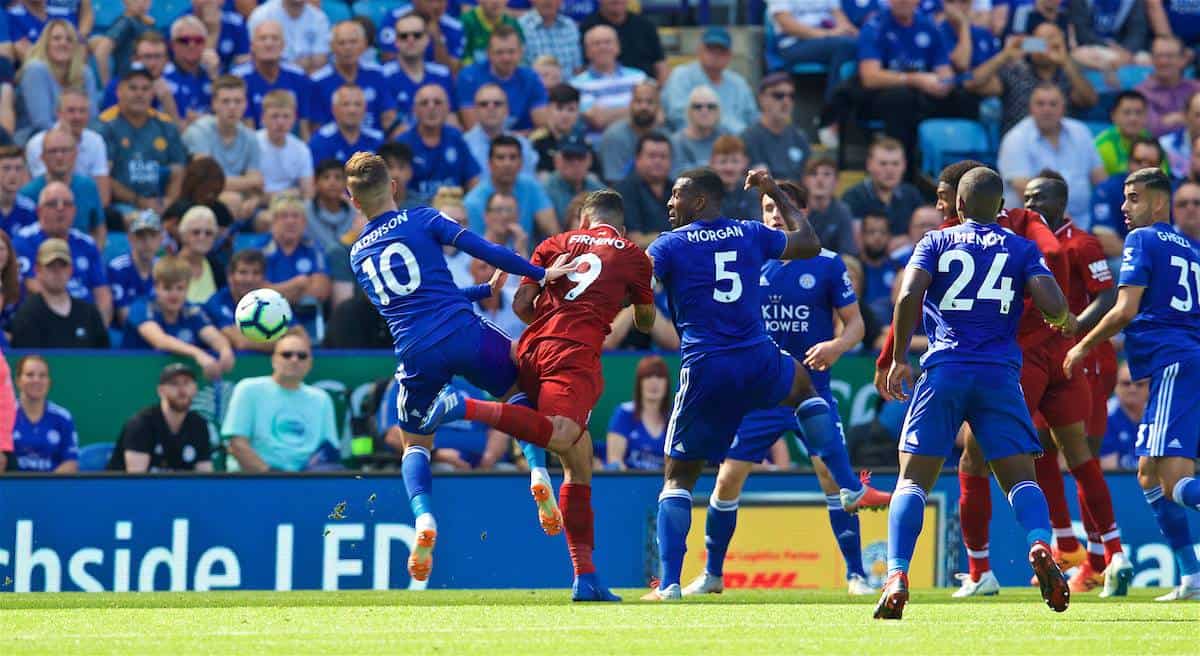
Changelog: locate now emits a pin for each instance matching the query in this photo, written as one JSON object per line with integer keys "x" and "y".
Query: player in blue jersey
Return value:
{"x": 798, "y": 306}
{"x": 971, "y": 279}
{"x": 1158, "y": 306}
{"x": 398, "y": 262}
{"x": 708, "y": 265}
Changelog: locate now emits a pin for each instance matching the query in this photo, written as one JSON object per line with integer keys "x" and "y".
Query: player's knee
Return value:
{"x": 730, "y": 480}
{"x": 566, "y": 434}
{"x": 1147, "y": 474}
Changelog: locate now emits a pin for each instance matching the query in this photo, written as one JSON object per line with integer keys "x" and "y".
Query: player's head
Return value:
{"x": 947, "y": 186}
{"x": 1147, "y": 198}
{"x": 774, "y": 216}
{"x": 697, "y": 194}
{"x": 1047, "y": 195}
{"x": 980, "y": 195}
{"x": 370, "y": 185}
{"x": 604, "y": 206}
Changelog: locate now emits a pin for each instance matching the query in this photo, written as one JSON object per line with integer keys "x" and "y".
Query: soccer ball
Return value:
{"x": 263, "y": 315}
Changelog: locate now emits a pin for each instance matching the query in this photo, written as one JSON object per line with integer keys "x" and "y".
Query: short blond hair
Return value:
{"x": 279, "y": 99}
{"x": 196, "y": 215}
{"x": 172, "y": 270}
{"x": 288, "y": 200}
{"x": 447, "y": 197}
{"x": 368, "y": 180}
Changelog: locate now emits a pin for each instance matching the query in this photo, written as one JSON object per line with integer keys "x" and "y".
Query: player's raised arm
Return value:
{"x": 803, "y": 242}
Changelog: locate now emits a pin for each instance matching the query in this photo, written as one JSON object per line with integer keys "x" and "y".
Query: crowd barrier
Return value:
{"x": 348, "y": 531}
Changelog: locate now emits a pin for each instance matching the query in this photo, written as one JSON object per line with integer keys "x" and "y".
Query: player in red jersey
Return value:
{"x": 558, "y": 360}
{"x": 1091, "y": 295}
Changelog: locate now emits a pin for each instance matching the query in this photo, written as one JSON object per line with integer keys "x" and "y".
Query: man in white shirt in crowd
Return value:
{"x": 92, "y": 161}
{"x": 605, "y": 86}
{"x": 305, "y": 31}
{"x": 285, "y": 160}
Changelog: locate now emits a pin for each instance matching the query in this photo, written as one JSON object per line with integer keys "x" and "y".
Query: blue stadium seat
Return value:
{"x": 775, "y": 61}
{"x": 1131, "y": 76}
{"x": 94, "y": 457}
{"x": 943, "y": 140}
{"x": 849, "y": 70}
{"x": 117, "y": 243}
{"x": 1097, "y": 80}
{"x": 244, "y": 240}
{"x": 1097, "y": 126}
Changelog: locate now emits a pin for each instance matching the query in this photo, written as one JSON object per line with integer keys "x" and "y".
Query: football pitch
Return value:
{"x": 544, "y": 622}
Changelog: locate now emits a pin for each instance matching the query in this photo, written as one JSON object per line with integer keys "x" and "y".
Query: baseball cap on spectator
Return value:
{"x": 573, "y": 145}
{"x": 52, "y": 250}
{"x": 145, "y": 220}
{"x": 717, "y": 36}
{"x": 136, "y": 69}
{"x": 174, "y": 369}
{"x": 772, "y": 79}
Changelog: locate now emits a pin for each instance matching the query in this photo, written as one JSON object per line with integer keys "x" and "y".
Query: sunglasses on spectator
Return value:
{"x": 712, "y": 107}
{"x": 1185, "y": 202}
{"x": 405, "y": 36}
{"x": 189, "y": 40}
{"x": 297, "y": 355}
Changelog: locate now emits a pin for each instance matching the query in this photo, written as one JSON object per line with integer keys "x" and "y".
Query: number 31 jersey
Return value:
{"x": 1166, "y": 329}
{"x": 974, "y": 303}
{"x": 710, "y": 270}
{"x": 580, "y": 306}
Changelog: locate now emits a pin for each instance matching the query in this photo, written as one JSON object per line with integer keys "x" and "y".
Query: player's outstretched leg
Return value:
{"x": 1173, "y": 522}
{"x": 540, "y": 487}
{"x": 418, "y": 482}
{"x": 846, "y": 530}
{"x": 1016, "y": 474}
{"x": 975, "y": 516}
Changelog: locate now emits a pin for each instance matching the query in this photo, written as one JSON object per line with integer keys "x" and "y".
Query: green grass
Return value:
{"x": 544, "y": 622}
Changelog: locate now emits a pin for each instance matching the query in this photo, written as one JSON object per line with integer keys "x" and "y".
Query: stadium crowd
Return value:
{"x": 159, "y": 163}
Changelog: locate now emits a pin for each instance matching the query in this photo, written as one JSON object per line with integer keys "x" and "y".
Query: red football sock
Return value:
{"x": 575, "y": 501}
{"x": 518, "y": 421}
{"x": 1050, "y": 479}
{"x": 1094, "y": 494}
{"x": 974, "y": 514}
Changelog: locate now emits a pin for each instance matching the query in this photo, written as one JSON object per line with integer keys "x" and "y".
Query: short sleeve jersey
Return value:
{"x": 88, "y": 271}
{"x": 46, "y": 444}
{"x": 1090, "y": 273}
{"x": 185, "y": 328}
{"x": 141, "y": 157}
{"x": 1166, "y": 329}
{"x": 581, "y": 306}
{"x": 304, "y": 260}
{"x": 127, "y": 284}
{"x": 709, "y": 269}
{"x": 643, "y": 449}
{"x": 974, "y": 302}
{"x": 914, "y": 48}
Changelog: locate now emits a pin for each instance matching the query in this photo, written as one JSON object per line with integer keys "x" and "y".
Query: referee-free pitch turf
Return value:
{"x": 545, "y": 623}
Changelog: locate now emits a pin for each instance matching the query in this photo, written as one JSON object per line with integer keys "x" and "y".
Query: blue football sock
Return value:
{"x": 906, "y": 514}
{"x": 674, "y": 522}
{"x": 418, "y": 479}
{"x": 1029, "y": 505}
{"x": 821, "y": 437}
{"x": 849, "y": 538}
{"x": 1187, "y": 493}
{"x": 1173, "y": 522}
{"x": 718, "y": 531}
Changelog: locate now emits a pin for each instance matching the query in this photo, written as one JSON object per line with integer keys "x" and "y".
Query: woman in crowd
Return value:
{"x": 197, "y": 231}
{"x": 638, "y": 428}
{"x": 44, "y": 437}
{"x": 203, "y": 182}
{"x": 10, "y": 285}
{"x": 57, "y": 61}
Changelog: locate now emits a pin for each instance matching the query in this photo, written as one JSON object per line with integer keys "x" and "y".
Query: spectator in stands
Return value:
{"x": 691, "y": 145}
{"x": 640, "y": 45}
{"x": 830, "y": 217}
{"x": 59, "y": 153}
{"x": 1167, "y": 90}
{"x": 505, "y": 164}
{"x": 50, "y": 317}
{"x": 398, "y": 158}
{"x": 925, "y": 219}
{"x": 56, "y": 211}
{"x": 884, "y": 191}
{"x": 167, "y": 436}
{"x": 147, "y": 167}
{"x": 774, "y": 142}
{"x": 1108, "y": 34}
{"x": 873, "y": 328}
{"x": 449, "y": 201}
{"x": 497, "y": 307}
{"x": 730, "y": 162}
{"x": 548, "y": 70}
{"x": 56, "y": 62}
{"x": 277, "y": 422}
{"x": 548, "y": 32}
{"x": 44, "y": 436}
{"x": 114, "y": 48}
{"x": 638, "y": 428}
{"x": 131, "y": 274}
{"x": 1129, "y": 123}
{"x": 329, "y": 215}
{"x": 295, "y": 268}
{"x": 440, "y": 156}
{"x": 479, "y": 24}
{"x": 814, "y": 33}
{"x": 167, "y": 322}
{"x": 1024, "y": 20}
{"x": 347, "y": 134}
{"x": 305, "y": 31}
{"x": 16, "y": 210}
{"x": 526, "y": 95}
{"x": 226, "y": 35}
{"x": 1108, "y": 221}
{"x": 192, "y": 69}
{"x": 562, "y": 123}
{"x": 605, "y": 86}
{"x": 501, "y": 225}
{"x": 411, "y": 71}
{"x": 349, "y": 45}
{"x": 646, "y": 189}
{"x": 245, "y": 274}
{"x": 1178, "y": 142}
{"x": 445, "y": 33}
{"x": 203, "y": 182}
{"x": 150, "y": 51}
{"x": 572, "y": 175}
{"x": 1186, "y": 211}
{"x": 1014, "y": 74}
{"x": 1174, "y": 18}
{"x": 228, "y": 141}
{"x": 286, "y": 162}
{"x": 491, "y": 112}
{"x": 92, "y": 157}
{"x": 711, "y": 69}
{"x": 267, "y": 71}
{"x": 197, "y": 232}
{"x": 1121, "y": 432}
{"x": 967, "y": 45}
{"x": 1047, "y": 139}
{"x": 879, "y": 270}
{"x": 618, "y": 143}
{"x": 10, "y": 290}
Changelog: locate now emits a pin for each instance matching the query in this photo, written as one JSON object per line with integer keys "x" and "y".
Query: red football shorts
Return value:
{"x": 1060, "y": 400}
{"x": 563, "y": 378}
{"x": 1102, "y": 379}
